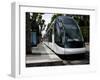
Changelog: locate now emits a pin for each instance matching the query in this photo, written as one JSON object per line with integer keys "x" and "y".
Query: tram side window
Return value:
{"x": 50, "y": 35}
{"x": 58, "y": 36}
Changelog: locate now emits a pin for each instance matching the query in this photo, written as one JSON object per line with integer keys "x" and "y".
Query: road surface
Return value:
{"x": 43, "y": 56}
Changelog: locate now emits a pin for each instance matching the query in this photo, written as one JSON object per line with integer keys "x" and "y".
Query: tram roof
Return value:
{"x": 64, "y": 17}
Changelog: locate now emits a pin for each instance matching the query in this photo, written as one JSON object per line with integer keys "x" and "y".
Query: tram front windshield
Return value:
{"x": 72, "y": 32}
{"x": 72, "y": 37}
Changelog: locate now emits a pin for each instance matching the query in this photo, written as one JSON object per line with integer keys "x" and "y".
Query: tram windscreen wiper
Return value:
{"x": 70, "y": 38}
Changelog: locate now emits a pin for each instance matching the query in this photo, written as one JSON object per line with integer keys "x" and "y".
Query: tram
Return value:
{"x": 64, "y": 36}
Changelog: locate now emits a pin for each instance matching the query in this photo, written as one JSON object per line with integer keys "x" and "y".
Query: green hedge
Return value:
{"x": 85, "y": 33}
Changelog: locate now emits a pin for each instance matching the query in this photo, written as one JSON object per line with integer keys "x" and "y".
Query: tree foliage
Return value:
{"x": 38, "y": 18}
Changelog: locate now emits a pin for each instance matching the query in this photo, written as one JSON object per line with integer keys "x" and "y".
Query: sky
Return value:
{"x": 47, "y": 17}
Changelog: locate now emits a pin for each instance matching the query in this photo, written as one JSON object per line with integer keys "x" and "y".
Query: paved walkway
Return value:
{"x": 42, "y": 56}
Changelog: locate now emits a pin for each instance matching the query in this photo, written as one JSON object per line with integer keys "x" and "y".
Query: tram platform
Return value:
{"x": 42, "y": 56}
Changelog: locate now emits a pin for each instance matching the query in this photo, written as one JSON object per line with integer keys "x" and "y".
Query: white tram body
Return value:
{"x": 64, "y": 36}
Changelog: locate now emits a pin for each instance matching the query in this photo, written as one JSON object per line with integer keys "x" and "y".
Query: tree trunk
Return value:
{"x": 28, "y": 34}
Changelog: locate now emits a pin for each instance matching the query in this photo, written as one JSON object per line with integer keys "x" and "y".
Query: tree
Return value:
{"x": 37, "y": 18}
{"x": 28, "y": 34}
